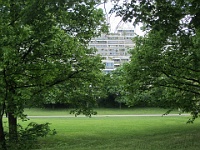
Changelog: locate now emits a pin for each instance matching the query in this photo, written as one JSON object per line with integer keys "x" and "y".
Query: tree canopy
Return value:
{"x": 166, "y": 61}
{"x": 44, "y": 44}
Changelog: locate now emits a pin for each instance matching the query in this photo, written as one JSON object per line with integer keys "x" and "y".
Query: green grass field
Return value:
{"x": 120, "y": 133}
{"x": 100, "y": 111}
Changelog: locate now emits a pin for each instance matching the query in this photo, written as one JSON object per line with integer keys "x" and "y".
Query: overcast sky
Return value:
{"x": 115, "y": 22}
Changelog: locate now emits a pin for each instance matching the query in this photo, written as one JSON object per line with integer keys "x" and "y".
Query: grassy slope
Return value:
{"x": 122, "y": 133}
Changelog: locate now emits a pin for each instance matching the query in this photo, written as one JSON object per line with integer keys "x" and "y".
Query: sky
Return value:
{"x": 115, "y": 22}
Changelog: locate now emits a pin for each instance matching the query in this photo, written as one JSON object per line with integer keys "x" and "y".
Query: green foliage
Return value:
{"x": 44, "y": 45}
{"x": 86, "y": 111}
{"x": 114, "y": 88}
{"x": 28, "y": 136}
{"x": 165, "y": 62}
{"x": 81, "y": 92}
{"x": 35, "y": 130}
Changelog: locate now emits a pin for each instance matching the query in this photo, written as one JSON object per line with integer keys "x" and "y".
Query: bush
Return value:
{"x": 27, "y": 137}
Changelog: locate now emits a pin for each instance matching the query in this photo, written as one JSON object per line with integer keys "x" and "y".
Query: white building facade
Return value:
{"x": 114, "y": 48}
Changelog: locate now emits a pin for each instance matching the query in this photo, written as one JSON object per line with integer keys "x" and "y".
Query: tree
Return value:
{"x": 165, "y": 62}
{"x": 80, "y": 93}
{"x": 114, "y": 89}
{"x": 43, "y": 44}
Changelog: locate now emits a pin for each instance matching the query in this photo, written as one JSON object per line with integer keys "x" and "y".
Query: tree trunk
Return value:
{"x": 2, "y": 135}
{"x": 12, "y": 122}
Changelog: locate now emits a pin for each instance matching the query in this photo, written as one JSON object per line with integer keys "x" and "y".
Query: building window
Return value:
{"x": 109, "y": 65}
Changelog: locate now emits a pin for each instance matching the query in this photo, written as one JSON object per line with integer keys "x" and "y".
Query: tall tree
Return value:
{"x": 165, "y": 62}
{"x": 43, "y": 44}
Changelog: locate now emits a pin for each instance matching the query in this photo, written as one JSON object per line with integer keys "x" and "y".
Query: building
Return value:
{"x": 114, "y": 48}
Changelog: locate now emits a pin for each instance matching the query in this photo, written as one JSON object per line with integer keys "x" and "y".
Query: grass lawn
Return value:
{"x": 121, "y": 133}
{"x": 100, "y": 111}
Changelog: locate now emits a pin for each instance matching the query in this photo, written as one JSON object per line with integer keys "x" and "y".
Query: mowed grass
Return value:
{"x": 100, "y": 111}
{"x": 121, "y": 133}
